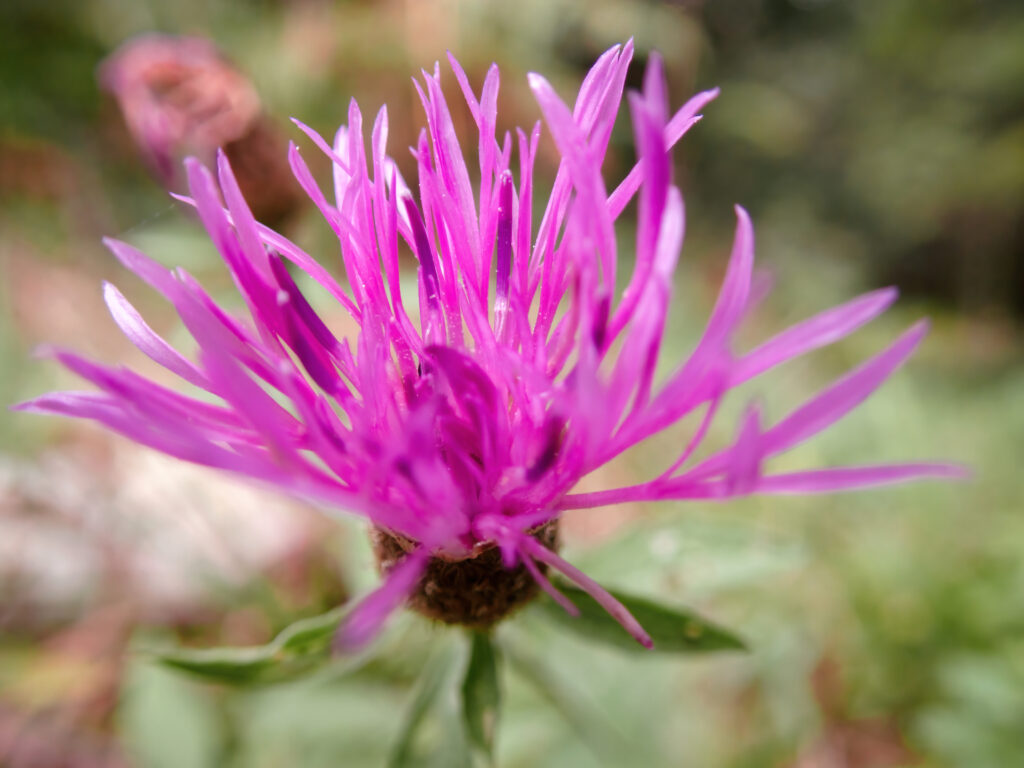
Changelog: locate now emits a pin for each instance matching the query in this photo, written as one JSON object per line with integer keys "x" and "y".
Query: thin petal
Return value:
{"x": 146, "y": 339}
{"x": 684, "y": 119}
{"x": 825, "y": 328}
{"x": 617, "y": 610}
{"x": 843, "y": 396}
{"x": 853, "y": 478}
{"x": 545, "y": 584}
{"x": 367, "y": 618}
{"x": 746, "y": 454}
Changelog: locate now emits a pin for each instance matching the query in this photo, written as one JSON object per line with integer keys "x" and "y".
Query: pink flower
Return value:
{"x": 464, "y": 433}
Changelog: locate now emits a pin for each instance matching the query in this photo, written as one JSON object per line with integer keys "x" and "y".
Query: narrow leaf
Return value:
{"x": 481, "y": 694}
{"x": 234, "y": 666}
{"x": 298, "y": 649}
{"x": 672, "y": 629}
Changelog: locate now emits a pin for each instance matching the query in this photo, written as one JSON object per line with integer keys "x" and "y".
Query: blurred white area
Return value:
{"x": 142, "y": 527}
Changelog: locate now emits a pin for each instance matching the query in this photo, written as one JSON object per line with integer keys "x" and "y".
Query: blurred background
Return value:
{"x": 875, "y": 142}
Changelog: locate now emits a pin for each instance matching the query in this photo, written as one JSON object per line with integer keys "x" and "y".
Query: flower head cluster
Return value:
{"x": 464, "y": 424}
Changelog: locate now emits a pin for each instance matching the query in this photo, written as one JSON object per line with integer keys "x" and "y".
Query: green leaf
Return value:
{"x": 297, "y": 650}
{"x": 436, "y": 679}
{"x": 481, "y": 694}
{"x": 672, "y": 629}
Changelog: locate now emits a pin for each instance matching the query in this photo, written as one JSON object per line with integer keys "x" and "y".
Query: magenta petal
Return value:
{"x": 586, "y": 177}
{"x": 302, "y": 307}
{"x": 545, "y": 584}
{"x": 146, "y": 339}
{"x": 746, "y": 454}
{"x": 853, "y": 478}
{"x": 155, "y": 275}
{"x": 732, "y": 299}
{"x": 827, "y": 407}
{"x": 369, "y": 615}
{"x": 618, "y": 611}
{"x": 247, "y": 397}
{"x": 90, "y": 405}
{"x": 111, "y": 413}
{"x": 241, "y": 216}
{"x": 840, "y": 398}
{"x": 822, "y": 329}
{"x": 323, "y": 146}
{"x": 296, "y": 255}
{"x": 680, "y": 123}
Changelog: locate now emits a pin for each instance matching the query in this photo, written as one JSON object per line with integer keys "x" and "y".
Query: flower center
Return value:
{"x": 477, "y": 591}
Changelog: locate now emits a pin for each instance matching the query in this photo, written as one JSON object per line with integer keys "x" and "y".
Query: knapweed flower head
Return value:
{"x": 462, "y": 414}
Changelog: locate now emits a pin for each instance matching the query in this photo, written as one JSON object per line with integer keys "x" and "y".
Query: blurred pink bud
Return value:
{"x": 180, "y": 96}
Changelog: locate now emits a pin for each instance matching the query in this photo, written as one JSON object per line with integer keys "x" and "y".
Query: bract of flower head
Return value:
{"x": 463, "y": 416}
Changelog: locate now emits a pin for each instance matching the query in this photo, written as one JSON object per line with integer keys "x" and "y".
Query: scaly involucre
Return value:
{"x": 469, "y": 420}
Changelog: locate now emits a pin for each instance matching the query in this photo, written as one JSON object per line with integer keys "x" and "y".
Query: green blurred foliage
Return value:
{"x": 898, "y": 124}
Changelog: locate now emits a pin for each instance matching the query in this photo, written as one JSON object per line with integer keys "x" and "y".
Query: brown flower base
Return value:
{"x": 475, "y": 592}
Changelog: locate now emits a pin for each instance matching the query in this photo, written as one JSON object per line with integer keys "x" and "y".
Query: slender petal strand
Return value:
{"x": 854, "y": 478}
{"x": 843, "y": 396}
{"x": 822, "y": 329}
{"x": 618, "y": 611}
{"x": 465, "y": 433}
{"x": 367, "y": 617}
{"x": 142, "y": 336}
{"x": 547, "y": 586}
